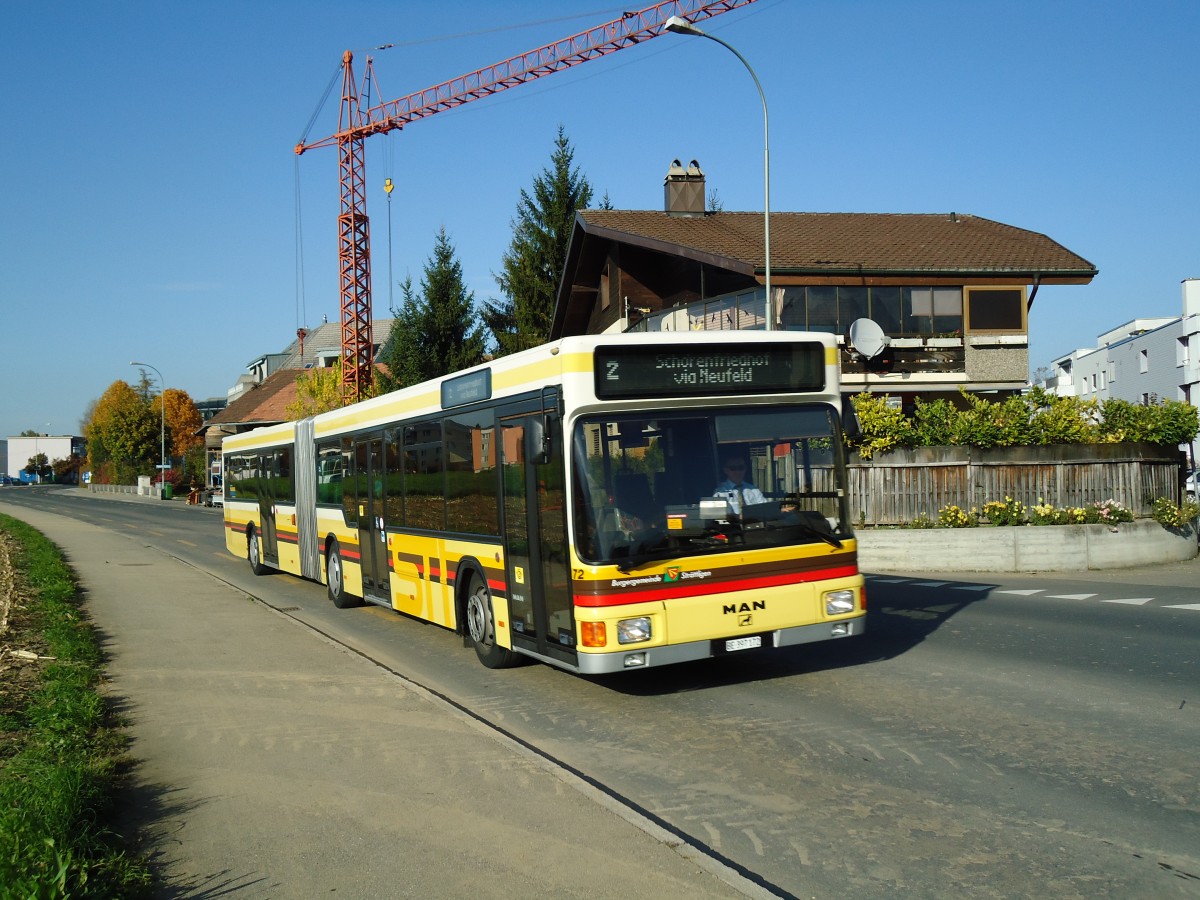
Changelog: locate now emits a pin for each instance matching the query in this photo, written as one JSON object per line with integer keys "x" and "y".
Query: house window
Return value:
{"x": 885, "y": 309}
{"x": 1103, "y": 379}
{"x": 996, "y": 309}
{"x": 934, "y": 310}
{"x": 1143, "y": 361}
{"x": 605, "y": 298}
{"x": 1182, "y": 357}
{"x": 822, "y": 309}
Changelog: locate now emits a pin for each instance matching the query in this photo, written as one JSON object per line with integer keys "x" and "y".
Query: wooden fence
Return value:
{"x": 898, "y": 487}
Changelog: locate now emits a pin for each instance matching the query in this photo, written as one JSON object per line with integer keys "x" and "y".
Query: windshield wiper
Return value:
{"x": 817, "y": 532}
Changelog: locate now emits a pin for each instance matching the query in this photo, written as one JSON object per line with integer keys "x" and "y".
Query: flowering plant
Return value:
{"x": 1107, "y": 512}
{"x": 956, "y": 517}
{"x": 1169, "y": 515}
{"x": 1008, "y": 512}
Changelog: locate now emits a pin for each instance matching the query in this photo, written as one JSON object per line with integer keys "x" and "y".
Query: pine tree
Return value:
{"x": 437, "y": 332}
{"x": 533, "y": 264}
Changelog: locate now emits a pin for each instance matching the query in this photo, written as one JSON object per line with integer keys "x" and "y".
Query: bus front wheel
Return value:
{"x": 481, "y": 627}
{"x": 335, "y": 579}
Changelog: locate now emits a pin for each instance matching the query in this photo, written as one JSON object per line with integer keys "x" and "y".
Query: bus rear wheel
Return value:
{"x": 335, "y": 579}
{"x": 481, "y": 627}
{"x": 256, "y": 563}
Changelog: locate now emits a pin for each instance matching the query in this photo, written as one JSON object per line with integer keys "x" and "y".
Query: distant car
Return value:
{"x": 6, "y": 480}
{"x": 1189, "y": 486}
{"x": 215, "y": 498}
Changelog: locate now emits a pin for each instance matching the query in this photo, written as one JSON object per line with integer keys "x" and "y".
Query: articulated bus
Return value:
{"x": 563, "y": 503}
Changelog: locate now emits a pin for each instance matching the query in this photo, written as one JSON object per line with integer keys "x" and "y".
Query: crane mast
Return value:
{"x": 356, "y": 124}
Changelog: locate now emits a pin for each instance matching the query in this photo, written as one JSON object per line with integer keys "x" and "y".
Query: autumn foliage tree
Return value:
{"x": 124, "y": 431}
{"x": 183, "y": 421}
{"x": 317, "y": 391}
{"x": 122, "y": 436}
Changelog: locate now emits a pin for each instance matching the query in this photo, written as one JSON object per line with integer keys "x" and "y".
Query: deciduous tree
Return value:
{"x": 317, "y": 391}
{"x": 122, "y": 435}
{"x": 183, "y": 421}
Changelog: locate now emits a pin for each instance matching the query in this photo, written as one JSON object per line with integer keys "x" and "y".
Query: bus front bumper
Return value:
{"x": 631, "y": 659}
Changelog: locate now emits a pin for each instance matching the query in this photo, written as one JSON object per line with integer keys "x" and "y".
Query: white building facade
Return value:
{"x": 1143, "y": 361}
{"x": 55, "y": 447}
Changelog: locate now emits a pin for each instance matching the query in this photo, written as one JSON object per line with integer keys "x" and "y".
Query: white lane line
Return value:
{"x": 1195, "y": 606}
{"x": 1023, "y": 592}
{"x": 1131, "y": 601}
{"x": 1071, "y": 596}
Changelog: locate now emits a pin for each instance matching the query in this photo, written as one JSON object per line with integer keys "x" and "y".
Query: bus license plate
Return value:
{"x": 746, "y": 643}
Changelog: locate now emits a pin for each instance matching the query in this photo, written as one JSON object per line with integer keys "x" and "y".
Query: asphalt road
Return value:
{"x": 1003, "y": 736}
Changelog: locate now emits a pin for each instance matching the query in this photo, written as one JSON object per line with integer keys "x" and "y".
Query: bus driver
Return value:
{"x": 735, "y": 488}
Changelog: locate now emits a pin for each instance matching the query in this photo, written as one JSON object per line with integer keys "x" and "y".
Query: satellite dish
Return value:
{"x": 867, "y": 338}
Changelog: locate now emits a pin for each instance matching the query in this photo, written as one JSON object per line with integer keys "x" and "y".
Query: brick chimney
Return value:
{"x": 683, "y": 190}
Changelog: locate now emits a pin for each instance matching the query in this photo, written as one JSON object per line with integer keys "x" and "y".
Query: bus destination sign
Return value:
{"x": 630, "y": 372}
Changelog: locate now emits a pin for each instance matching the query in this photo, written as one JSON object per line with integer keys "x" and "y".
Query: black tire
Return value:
{"x": 257, "y": 566}
{"x": 481, "y": 627}
{"x": 335, "y": 579}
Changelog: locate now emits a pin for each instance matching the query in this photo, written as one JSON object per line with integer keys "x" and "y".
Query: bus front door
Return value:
{"x": 540, "y": 607}
{"x": 372, "y": 525}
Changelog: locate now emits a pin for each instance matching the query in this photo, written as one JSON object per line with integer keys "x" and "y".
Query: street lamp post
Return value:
{"x": 162, "y": 408}
{"x": 679, "y": 25}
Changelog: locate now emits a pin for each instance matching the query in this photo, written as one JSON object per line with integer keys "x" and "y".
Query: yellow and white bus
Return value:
{"x": 567, "y": 503}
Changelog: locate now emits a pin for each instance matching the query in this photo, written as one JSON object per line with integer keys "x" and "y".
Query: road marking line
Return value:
{"x": 1195, "y": 606}
{"x": 1132, "y": 601}
{"x": 1070, "y": 596}
{"x": 187, "y": 543}
{"x": 1023, "y": 592}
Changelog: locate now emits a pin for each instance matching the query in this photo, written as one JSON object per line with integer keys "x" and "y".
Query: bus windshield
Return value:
{"x": 654, "y": 486}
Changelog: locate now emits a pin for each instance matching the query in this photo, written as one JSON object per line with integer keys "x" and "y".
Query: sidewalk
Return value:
{"x": 274, "y": 763}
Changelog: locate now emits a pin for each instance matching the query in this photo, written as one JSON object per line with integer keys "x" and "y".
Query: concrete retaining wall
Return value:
{"x": 1025, "y": 548}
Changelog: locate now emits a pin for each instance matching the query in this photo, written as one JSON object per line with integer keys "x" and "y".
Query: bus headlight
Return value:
{"x": 838, "y": 603}
{"x": 633, "y": 631}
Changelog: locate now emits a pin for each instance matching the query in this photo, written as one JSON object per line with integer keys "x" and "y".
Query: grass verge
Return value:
{"x": 60, "y": 752}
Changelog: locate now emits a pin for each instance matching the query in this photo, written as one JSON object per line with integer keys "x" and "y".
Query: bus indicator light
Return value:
{"x": 593, "y": 634}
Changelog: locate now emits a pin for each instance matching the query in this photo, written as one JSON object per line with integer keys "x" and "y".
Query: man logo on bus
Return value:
{"x": 673, "y": 573}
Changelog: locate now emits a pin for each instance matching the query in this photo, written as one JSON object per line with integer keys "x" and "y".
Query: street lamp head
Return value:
{"x": 680, "y": 25}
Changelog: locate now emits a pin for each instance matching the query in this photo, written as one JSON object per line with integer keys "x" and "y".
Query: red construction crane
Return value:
{"x": 356, "y": 124}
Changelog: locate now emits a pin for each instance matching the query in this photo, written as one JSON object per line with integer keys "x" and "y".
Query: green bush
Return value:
{"x": 1035, "y": 418}
{"x": 883, "y": 427}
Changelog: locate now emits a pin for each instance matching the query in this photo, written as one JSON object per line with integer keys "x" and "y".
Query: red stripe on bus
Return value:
{"x": 675, "y": 591}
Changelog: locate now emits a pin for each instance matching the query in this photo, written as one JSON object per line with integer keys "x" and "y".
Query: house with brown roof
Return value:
{"x": 950, "y": 292}
{"x": 258, "y": 404}
{"x": 261, "y": 395}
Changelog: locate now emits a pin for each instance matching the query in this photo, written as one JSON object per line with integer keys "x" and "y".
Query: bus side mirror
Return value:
{"x": 850, "y": 427}
{"x": 537, "y": 441}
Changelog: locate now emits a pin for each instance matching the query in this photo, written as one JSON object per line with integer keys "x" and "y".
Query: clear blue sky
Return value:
{"x": 149, "y": 200}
